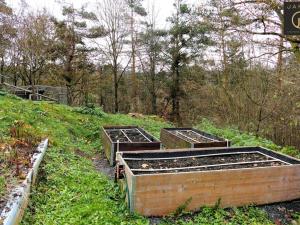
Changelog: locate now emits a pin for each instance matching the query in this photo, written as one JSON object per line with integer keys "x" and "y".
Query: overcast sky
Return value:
{"x": 164, "y": 7}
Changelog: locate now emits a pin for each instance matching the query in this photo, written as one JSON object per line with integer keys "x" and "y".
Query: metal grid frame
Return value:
{"x": 123, "y": 131}
{"x": 271, "y": 159}
{"x": 176, "y": 132}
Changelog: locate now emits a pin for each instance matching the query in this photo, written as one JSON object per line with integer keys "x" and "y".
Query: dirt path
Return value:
{"x": 102, "y": 165}
{"x": 281, "y": 213}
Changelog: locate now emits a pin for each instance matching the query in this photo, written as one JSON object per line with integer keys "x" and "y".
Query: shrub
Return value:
{"x": 90, "y": 110}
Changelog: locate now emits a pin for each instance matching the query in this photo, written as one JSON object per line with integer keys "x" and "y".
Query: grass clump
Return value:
{"x": 90, "y": 110}
{"x": 249, "y": 215}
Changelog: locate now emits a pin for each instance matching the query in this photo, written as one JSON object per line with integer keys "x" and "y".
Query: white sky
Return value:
{"x": 164, "y": 7}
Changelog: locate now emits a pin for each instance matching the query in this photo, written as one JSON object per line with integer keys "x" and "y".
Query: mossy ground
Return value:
{"x": 71, "y": 191}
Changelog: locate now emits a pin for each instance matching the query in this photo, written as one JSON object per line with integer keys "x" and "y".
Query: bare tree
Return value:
{"x": 135, "y": 10}
{"x": 112, "y": 17}
{"x": 186, "y": 37}
{"x": 265, "y": 19}
{"x": 6, "y": 34}
{"x": 151, "y": 46}
{"x": 71, "y": 50}
{"x": 34, "y": 43}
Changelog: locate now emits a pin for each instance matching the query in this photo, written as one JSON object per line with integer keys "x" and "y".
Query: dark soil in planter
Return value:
{"x": 161, "y": 164}
{"x": 196, "y": 161}
{"x": 196, "y": 138}
{"x": 117, "y": 135}
{"x": 133, "y": 134}
{"x": 251, "y": 165}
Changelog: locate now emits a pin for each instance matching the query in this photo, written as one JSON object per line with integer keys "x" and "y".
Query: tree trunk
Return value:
{"x": 153, "y": 88}
{"x": 133, "y": 73}
{"x": 280, "y": 63}
{"x": 154, "y": 103}
{"x": 176, "y": 99}
{"x": 69, "y": 94}
{"x": 1, "y": 73}
{"x": 175, "y": 95}
{"x": 225, "y": 79}
{"x": 116, "y": 87}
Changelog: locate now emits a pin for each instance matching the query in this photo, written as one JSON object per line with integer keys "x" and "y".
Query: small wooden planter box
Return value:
{"x": 241, "y": 176}
{"x": 140, "y": 141}
{"x": 174, "y": 138}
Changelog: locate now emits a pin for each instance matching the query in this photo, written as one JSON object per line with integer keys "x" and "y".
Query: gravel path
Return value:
{"x": 281, "y": 213}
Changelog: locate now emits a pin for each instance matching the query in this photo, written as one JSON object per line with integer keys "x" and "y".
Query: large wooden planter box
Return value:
{"x": 175, "y": 138}
{"x": 111, "y": 146}
{"x": 157, "y": 192}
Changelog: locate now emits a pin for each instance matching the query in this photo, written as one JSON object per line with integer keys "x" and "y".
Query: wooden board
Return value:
{"x": 162, "y": 194}
{"x": 172, "y": 141}
{"x": 110, "y": 147}
{"x": 158, "y": 195}
{"x": 107, "y": 144}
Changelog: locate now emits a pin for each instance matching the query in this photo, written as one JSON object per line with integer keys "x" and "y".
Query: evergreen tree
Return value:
{"x": 187, "y": 36}
{"x": 70, "y": 34}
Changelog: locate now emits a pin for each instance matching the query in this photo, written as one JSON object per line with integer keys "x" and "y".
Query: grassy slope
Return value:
{"x": 244, "y": 139}
{"x": 71, "y": 191}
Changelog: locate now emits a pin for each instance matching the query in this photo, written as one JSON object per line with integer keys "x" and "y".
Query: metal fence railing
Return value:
{"x": 33, "y": 95}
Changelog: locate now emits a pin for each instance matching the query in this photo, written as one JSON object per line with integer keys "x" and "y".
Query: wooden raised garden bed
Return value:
{"x": 175, "y": 138}
{"x": 161, "y": 181}
{"x": 126, "y": 138}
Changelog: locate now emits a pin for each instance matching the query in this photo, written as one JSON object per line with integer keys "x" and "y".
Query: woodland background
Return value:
{"x": 224, "y": 60}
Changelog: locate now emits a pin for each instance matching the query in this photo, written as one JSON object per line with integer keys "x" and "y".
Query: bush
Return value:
{"x": 90, "y": 110}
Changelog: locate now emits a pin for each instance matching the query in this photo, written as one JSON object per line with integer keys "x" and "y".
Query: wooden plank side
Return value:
{"x": 124, "y": 147}
{"x": 163, "y": 193}
{"x": 136, "y": 146}
{"x": 110, "y": 148}
{"x": 171, "y": 141}
{"x": 127, "y": 183}
{"x": 107, "y": 145}
{"x": 212, "y": 144}
{"x": 119, "y": 127}
{"x": 130, "y": 188}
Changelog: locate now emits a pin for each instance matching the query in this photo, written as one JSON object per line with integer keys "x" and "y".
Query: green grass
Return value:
{"x": 249, "y": 215}
{"x": 71, "y": 191}
{"x": 244, "y": 139}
